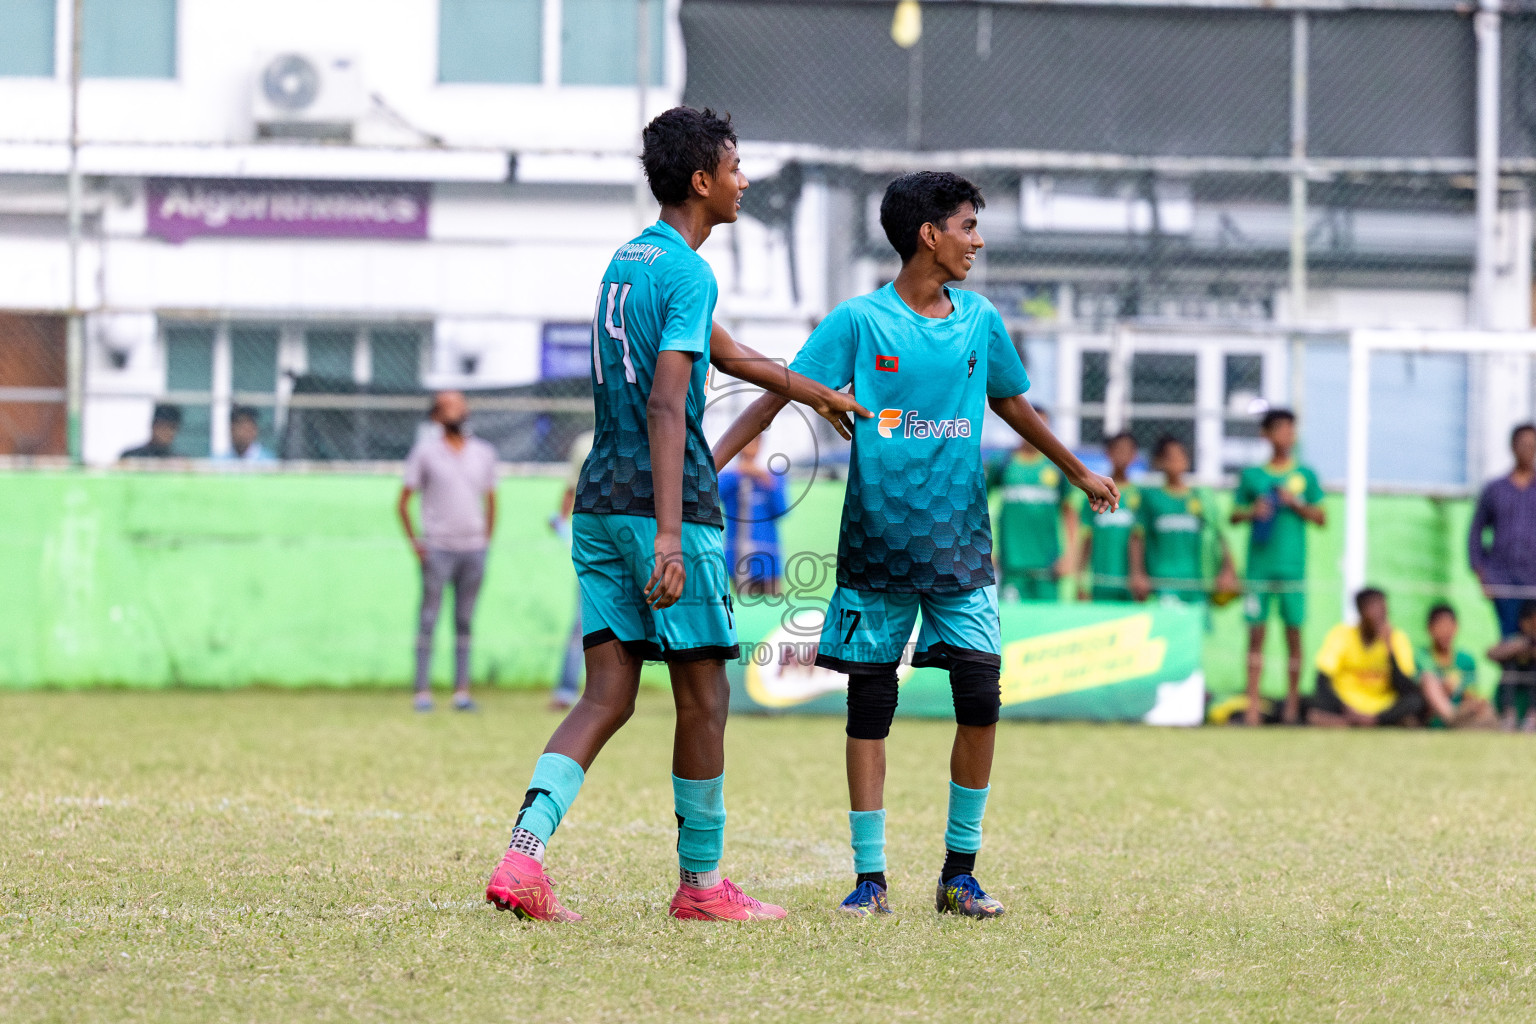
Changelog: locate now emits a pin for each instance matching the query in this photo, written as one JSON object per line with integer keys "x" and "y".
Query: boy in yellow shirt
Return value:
{"x": 1365, "y": 673}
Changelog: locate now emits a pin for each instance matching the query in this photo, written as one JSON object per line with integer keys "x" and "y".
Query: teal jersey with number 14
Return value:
{"x": 657, "y": 295}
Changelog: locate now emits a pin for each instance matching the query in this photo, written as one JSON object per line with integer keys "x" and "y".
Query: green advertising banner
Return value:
{"x": 1099, "y": 662}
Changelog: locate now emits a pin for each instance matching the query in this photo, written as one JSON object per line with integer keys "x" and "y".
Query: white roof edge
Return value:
{"x": 1322, "y": 6}
{"x": 896, "y": 161}
{"x": 572, "y": 167}
{"x": 310, "y": 162}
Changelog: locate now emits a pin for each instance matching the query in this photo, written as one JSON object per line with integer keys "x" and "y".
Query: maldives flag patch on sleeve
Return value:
{"x": 887, "y": 363}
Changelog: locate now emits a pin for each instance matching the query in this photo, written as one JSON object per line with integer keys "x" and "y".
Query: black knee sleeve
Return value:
{"x": 871, "y": 703}
{"x": 978, "y": 696}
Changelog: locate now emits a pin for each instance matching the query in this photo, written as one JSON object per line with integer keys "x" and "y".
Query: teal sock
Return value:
{"x": 966, "y": 806}
{"x": 556, "y": 781}
{"x": 700, "y": 806}
{"x": 868, "y": 830}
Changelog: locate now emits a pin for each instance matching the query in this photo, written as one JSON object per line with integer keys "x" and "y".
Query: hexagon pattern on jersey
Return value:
{"x": 917, "y": 528}
{"x": 616, "y": 478}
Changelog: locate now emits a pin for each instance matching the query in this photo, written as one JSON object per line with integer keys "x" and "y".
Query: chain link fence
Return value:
{"x": 1187, "y": 207}
{"x": 286, "y": 393}
{"x": 33, "y": 414}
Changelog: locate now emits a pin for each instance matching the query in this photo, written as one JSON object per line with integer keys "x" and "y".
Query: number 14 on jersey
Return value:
{"x": 611, "y": 324}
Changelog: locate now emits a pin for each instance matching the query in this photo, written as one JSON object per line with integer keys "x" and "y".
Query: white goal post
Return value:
{"x": 1362, "y": 344}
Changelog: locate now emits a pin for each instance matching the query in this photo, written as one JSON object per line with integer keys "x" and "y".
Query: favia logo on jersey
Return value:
{"x": 911, "y": 425}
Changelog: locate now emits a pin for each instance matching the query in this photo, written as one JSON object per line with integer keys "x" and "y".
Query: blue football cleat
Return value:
{"x": 963, "y": 895}
{"x": 867, "y": 899}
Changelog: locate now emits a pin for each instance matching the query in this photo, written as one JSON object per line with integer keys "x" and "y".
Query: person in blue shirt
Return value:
{"x": 916, "y": 535}
{"x": 754, "y": 498}
{"x": 244, "y": 437}
{"x": 646, "y": 536}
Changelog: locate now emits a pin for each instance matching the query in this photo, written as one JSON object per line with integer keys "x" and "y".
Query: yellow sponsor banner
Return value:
{"x": 1082, "y": 658}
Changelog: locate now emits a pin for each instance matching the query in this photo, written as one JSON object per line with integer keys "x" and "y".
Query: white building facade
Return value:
{"x": 402, "y": 193}
{"x": 418, "y": 193}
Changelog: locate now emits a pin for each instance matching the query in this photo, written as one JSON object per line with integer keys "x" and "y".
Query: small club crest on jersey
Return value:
{"x": 887, "y": 363}
{"x": 970, "y": 365}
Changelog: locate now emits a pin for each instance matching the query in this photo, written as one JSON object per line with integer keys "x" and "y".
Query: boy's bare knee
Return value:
{"x": 612, "y": 712}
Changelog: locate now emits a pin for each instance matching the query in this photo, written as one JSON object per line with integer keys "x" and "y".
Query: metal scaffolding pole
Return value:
{"x": 1357, "y": 448}
{"x": 1487, "y": 28}
{"x": 1300, "y": 49}
{"x": 642, "y": 96}
{"x": 74, "y": 337}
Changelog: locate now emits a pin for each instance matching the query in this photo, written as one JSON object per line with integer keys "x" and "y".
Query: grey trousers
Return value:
{"x": 465, "y": 570}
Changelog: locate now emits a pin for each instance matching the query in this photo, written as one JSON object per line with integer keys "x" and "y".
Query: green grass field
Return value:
{"x": 259, "y": 856}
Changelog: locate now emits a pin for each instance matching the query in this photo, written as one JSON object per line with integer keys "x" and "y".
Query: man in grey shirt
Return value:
{"x": 455, "y": 474}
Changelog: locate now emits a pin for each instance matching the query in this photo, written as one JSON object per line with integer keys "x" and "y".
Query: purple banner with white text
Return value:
{"x": 180, "y": 209}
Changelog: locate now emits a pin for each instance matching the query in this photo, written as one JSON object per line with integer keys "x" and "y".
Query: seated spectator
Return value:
{"x": 244, "y": 435}
{"x": 1448, "y": 674}
{"x": 1365, "y": 673}
{"x": 164, "y": 425}
{"x": 1516, "y": 655}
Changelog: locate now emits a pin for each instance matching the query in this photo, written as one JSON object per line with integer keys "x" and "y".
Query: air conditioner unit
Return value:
{"x": 308, "y": 96}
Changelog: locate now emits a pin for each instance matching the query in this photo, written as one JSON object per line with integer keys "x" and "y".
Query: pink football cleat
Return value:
{"x": 520, "y": 885}
{"x": 723, "y": 902}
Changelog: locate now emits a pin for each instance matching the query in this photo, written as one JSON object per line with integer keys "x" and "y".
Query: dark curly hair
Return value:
{"x": 923, "y": 197}
{"x": 677, "y": 143}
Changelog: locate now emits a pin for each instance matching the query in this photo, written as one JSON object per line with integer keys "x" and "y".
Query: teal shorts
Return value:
{"x": 1263, "y": 594}
{"x": 871, "y": 629}
{"x": 614, "y": 556}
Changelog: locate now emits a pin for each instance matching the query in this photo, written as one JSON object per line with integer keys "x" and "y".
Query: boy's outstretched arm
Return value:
{"x": 667, "y": 424}
{"x": 1103, "y": 495}
{"x": 743, "y": 363}
{"x": 748, "y": 425}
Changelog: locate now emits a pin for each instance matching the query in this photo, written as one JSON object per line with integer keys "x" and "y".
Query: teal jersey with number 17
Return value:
{"x": 657, "y": 295}
{"x": 915, "y": 515}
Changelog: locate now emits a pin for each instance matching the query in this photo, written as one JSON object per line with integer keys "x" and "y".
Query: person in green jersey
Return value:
{"x": 1036, "y": 496}
{"x": 1168, "y": 543}
{"x": 1279, "y": 498}
{"x": 1107, "y": 537}
{"x": 1448, "y": 676}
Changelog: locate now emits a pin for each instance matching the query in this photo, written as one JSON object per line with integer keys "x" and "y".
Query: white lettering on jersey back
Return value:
{"x": 1178, "y": 522}
{"x": 1030, "y": 494}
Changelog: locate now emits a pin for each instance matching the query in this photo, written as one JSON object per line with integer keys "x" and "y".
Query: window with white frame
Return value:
{"x": 600, "y": 41}
{"x": 213, "y": 368}
{"x": 27, "y": 38}
{"x": 565, "y": 42}
{"x": 119, "y": 38}
{"x": 1208, "y": 392}
{"x": 494, "y": 41}
{"x": 128, "y": 39}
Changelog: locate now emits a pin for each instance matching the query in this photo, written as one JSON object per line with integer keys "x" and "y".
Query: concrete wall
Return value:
{"x": 231, "y": 579}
